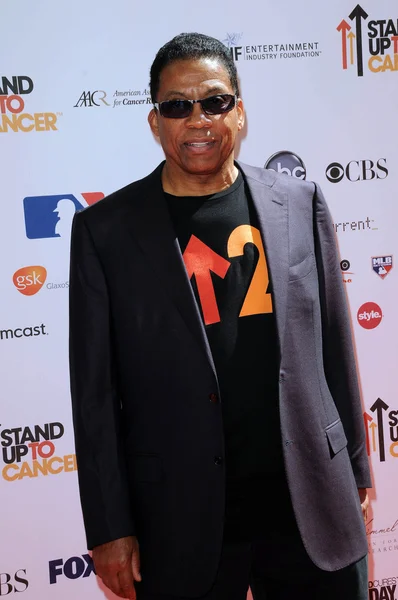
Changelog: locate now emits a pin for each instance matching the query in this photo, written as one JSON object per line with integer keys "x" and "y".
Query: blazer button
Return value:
{"x": 218, "y": 461}
{"x": 213, "y": 398}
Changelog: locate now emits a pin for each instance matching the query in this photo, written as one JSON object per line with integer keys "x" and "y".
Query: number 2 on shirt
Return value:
{"x": 199, "y": 260}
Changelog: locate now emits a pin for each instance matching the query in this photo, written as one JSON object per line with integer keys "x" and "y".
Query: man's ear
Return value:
{"x": 241, "y": 114}
{"x": 153, "y": 122}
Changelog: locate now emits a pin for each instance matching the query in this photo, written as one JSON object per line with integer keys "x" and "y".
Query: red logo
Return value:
{"x": 369, "y": 315}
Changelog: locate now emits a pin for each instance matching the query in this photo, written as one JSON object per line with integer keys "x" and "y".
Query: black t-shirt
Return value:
{"x": 225, "y": 259}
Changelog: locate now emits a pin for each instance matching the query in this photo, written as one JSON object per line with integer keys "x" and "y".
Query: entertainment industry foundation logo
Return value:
{"x": 23, "y": 332}
{"x": 381, "y": 430}
{"x": 30, "y": 280}
{"x": 288, "y": 163}
{"x": 345, "y": 266}
{"x": 120, "y": 98}
{"x": 381, "y": 50}
{"x": 383, "y": 589}
{"x": 52, "y": 216}
{"x": 357, "y": 170}
{"x": 13, "y": 582}
{"x": 12, "y": 107}
{"x": 369, "y": 315}
{"x": 382, "y": 265}
{"x": 30, "y": 452}
{"x": 72, "y": 568}
{"x": 279, "y": 51}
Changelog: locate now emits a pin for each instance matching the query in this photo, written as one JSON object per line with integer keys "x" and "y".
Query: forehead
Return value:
{"x": 194, "y": 77}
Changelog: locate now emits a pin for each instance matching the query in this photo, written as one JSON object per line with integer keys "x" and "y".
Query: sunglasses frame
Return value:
{"x": 158, "y": 106}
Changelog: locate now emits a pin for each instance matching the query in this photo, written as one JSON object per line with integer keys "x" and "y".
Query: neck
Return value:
{"x": 179, "y": 183}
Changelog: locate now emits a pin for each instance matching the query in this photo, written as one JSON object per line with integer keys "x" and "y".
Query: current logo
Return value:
{"x": 73, "y": 568}
{"x": 372, "y": 43}
{"x": 369, "y": 315}
{"x": 29, "y": 280}
{"x": 51, "y": 216}
{"x": 280, "y": 51}
{"x": 382, "y": 265}
{"x": 287, "y": 162}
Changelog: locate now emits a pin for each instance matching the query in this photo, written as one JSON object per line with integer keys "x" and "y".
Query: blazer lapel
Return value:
{"x": 272, "y": 210}
{"x": 152, "y": 228}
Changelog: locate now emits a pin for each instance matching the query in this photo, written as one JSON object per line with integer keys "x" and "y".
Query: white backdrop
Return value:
{"x": 81, "y": 130}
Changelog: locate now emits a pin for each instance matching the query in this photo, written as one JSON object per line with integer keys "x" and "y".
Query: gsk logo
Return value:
{"x": 29, "y": 280}
{"x": 92, "y": 99}
{"x": 382, "y": 37}
{"x": 73, "y": 568}
{"x": 51, "y": 216}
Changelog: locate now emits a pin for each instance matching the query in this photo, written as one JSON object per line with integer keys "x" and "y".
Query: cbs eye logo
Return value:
{"x": 357, "y": 170}
{"x": 288, "y": 163}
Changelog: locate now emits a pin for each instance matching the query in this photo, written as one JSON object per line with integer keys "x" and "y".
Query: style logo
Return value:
{"x": 270, "y": 51}
{"x": 13, "y": 583}
{"x": 92, "y": 99}
{"x": 361, "y": 225}
{"x": 382, "y": 37}
{"x": 12, "y": 106}
{"x": 29, "y": 280}
{"x": 345, "y": 266}
{"x": 287, "y": 162}
{"x": 29, "y": 452}
{"x": 51, "y": 216}
{"x": 381, "y": 430}
{"x": 369, "y": 315}
{"x": 73, "y": 568}
{"x": 20, "y": 332}
{"x": 382, "y": 265}
{"x": 357, "y": 170}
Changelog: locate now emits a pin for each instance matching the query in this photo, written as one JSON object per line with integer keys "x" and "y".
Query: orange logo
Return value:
{"x": 29, "y": 280}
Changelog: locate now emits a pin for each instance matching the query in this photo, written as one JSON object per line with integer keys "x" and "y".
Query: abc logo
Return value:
{"x": 29, "y": 280}
{"x": 288, "y": 163}
{"x": 357, "y": 170}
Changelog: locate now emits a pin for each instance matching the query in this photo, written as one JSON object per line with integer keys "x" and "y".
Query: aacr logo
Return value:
{"x": 92, "y": 99}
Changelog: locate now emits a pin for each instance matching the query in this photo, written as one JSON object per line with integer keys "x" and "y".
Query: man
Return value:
{"x": 218, "y": 423}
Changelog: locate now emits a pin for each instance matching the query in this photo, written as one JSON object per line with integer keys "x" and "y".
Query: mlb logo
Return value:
{"x": 51, "y": 216}
{"x": 382, "y": 265}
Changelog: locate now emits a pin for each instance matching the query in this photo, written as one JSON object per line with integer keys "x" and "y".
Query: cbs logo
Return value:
{"x": 357, "y": 170}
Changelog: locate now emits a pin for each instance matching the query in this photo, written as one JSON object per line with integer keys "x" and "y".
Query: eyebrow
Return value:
{"x": 215, "y": 89}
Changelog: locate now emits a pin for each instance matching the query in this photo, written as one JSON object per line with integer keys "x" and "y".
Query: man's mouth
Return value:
{"x": 199, "y": 144}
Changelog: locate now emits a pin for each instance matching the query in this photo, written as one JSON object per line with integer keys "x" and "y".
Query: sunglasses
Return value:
{"x": 180, "y": 109}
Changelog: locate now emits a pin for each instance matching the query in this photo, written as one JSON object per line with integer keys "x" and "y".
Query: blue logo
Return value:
{"x": 49, "y": 216}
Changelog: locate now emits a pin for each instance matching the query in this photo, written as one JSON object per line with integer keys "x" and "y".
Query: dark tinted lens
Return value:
{"x": 175, "y": 109}
{"x": 216, "y": 105}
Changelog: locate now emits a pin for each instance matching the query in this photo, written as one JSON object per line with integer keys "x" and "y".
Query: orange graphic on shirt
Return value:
{"x": 200, "y": 261}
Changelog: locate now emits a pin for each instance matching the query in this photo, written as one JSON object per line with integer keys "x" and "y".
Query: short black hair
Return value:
{"x": 186, "y": 46}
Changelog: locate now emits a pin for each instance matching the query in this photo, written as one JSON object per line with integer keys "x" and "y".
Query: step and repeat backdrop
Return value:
{"x": 320, "y": 86}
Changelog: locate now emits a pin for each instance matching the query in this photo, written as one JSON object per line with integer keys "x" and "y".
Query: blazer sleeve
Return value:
{"x": 338, "y": 350}
{"x": 96, "y": 407}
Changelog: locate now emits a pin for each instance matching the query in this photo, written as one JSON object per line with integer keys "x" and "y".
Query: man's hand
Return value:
{"x": 118, "y": 565}
{"x": 364, "y": 499}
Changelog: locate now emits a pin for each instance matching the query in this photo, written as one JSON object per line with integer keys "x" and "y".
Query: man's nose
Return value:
{"x": 198, "y": 118}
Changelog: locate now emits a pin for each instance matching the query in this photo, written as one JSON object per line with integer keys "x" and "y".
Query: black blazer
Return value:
{"x": 149, "y": 440}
